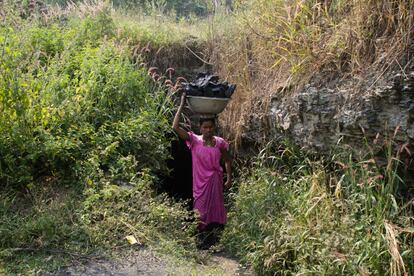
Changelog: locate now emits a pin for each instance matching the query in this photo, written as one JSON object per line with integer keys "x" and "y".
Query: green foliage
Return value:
{"x": 83, "y": 134}
{"x": 112, "y": 212}
{"x": 46, "y": 220}
{"x": 305, "y": 219}
{"x": 61, "y": 105}
{"x": 49, "y": 225}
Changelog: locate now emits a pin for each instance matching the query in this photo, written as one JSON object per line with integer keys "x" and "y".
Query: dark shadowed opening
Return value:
{"x": 179, "y": 183}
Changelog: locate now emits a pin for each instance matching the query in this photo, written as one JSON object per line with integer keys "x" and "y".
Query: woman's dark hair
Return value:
{"x": 211, "y": 119}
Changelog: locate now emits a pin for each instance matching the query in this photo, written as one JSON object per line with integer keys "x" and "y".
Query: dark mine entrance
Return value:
{"x": 179, "y": 183}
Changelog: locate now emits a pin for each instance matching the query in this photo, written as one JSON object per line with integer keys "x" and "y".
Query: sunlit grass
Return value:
{"x": 278, "y": 46}
{"x": 293, "y": 214}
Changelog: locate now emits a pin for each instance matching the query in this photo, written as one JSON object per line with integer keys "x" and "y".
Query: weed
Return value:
{"x": 304, "y": 218}
{"x": 83, "y": 134}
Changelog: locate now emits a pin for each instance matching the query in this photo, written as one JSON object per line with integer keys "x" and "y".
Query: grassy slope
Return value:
{"x": 83, "y": 135}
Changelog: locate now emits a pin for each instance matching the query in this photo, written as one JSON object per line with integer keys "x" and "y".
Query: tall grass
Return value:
{"x": 278, "y": 46}
{"x": 293, "y": 214}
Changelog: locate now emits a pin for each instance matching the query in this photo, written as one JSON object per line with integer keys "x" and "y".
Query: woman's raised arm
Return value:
{"x": 176, "y": 123}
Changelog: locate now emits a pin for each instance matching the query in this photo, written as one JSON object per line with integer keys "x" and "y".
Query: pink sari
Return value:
{"x": 207, "y": 180}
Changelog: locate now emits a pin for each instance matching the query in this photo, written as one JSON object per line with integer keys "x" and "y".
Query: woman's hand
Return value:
{"x": 183, "y": 96}
{"x": 227, "y": 163}
{"x": 176, "y": 125}
{"x": 227, "y": 185}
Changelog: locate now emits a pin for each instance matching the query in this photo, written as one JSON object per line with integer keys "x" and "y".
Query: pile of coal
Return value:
{"x": 206, "y": 85}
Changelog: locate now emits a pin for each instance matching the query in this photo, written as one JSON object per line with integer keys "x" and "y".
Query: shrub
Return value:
{"x": 305, "y": 218}
{"x": 83, "y": 132}
{"x": 74, "y": 101}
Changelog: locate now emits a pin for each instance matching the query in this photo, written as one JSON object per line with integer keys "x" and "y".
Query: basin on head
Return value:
{"x": 207, "y": 106}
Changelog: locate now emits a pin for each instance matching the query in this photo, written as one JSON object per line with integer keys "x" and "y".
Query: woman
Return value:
{"x": 206, "y": 151}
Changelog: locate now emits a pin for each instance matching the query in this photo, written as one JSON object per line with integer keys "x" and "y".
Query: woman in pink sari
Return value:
{"x": 207, "y": 151}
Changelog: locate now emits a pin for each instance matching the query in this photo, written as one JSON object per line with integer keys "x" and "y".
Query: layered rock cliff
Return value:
{"x": 319, "y": 116}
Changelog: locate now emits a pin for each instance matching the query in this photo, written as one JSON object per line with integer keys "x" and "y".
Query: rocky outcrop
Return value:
{"x": 350, "y": 114}
{"x": 318, "y": 117}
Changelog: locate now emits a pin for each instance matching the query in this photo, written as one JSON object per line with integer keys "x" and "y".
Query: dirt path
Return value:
{"x": 147, "y": 262}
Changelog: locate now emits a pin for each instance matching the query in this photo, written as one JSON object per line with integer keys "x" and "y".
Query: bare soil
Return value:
{"x": 148, "y": 262}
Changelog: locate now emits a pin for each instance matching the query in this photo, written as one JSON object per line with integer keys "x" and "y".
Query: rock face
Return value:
{"x": 349, "y": 113}
{"x": 319, "y": 117}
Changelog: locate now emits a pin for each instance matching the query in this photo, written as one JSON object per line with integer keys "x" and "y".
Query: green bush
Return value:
{"x": 76, "y": 95}
{"x": 51, "y": 224}
{"x": 305, "y": 218}
{"x": 83, "y": 132}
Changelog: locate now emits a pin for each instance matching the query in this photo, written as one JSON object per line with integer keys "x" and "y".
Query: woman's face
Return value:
{"x": 207, "y": 129}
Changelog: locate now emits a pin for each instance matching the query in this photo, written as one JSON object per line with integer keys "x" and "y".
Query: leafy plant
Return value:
{"x": 83, "y": 134}
{"x": 306, "y": 218}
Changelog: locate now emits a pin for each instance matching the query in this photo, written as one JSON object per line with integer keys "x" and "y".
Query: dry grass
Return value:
{"x": 83, "y": 9}
{"x": 278, "y": 46}
{"x": 397, "y": 263}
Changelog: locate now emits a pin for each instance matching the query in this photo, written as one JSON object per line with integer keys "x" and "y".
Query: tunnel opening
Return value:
{"x": 178, "y": 183}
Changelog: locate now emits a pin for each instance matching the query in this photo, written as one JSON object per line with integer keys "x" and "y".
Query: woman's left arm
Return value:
{"x": 227, "y": 162}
